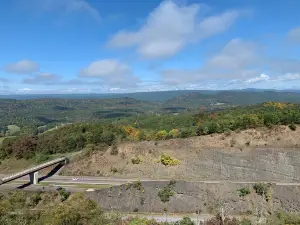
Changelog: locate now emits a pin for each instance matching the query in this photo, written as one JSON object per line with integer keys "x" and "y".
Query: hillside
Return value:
{"x": 98, "y": 136}
{"x": 37, "y": 115}
{"x": 225, "y": 99}
{"x": 39, "y": 112}
{"x": 252, "y": 154}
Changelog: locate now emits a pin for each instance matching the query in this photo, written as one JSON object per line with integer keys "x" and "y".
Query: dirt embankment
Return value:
{"x": 187, "y": 197}
{"x": 254, "y": 154}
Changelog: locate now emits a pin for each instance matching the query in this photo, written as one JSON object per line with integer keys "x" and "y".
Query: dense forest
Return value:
{"x": 35, "y": 116}
{"x": 74, "y": 137}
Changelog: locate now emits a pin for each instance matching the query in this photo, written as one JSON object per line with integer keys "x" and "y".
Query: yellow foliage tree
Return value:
{"x": 174, "y": 133}
{"x": 160, "y": 135}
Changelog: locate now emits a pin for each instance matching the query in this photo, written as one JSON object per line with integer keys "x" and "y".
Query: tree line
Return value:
{"x": 77, "y": 136}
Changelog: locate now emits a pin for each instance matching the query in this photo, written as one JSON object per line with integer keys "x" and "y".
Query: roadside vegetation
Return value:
{"x": 49, "y": 208}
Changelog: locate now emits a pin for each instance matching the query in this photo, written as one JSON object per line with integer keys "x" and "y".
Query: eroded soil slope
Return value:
{"x": 254, "y": 154}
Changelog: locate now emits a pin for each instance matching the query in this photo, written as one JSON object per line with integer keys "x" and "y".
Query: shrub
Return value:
{"x": 17, "y": 200}
{"x": 247, "y": 143}
{"x": 114, "y": 150}
{"x": 263, "y": 189}
{"x": 64, "y": 194}
{"x": 142, "y": 135}
{"x": 167, "y": 192}
{"x": 168, "y": 160}
{"x": 185, "y": 221}
{"x": 283, "y": 218}
{"x": 244, "y": 191}
{"x": 136, "y": 160}
{"x": 138, "y": 185}
{"x": 114, "y": 170}
{"x": 40, "y": 158}
{"x": 174, "y": 133}
{"x": 142, "y": 200}
{"x": 161, "y": 135}
{"x": 35, "y": 199}
{"x": 187, "y": 132}
{"x": 128, "y": 186}
{"x": 292, "y": 126}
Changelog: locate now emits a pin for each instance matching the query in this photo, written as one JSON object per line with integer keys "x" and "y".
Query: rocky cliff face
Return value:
{"x": 190, "y": 196}
{"x": 264, "y": 164}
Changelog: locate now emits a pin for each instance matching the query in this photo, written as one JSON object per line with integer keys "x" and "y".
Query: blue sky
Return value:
{"x": 83, "y": 46}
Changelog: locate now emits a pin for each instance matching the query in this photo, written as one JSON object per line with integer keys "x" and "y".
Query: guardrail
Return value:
{"x": 32, "y": 170}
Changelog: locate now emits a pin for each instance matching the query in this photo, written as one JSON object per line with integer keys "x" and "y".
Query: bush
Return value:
{"x": 168, "y": 160}
{"x": 64, "y": 194}
{"x": 136, "y": 160}
{"x": 161, "y": 135}
{"x": 138, "y": 185}
{"x": 35, "y": 199}
{"x": 244, "y": 191}
{"x": 141, "y": 221}
{"x": 174, "y": 133}
{"x": 114, "y": 170}
{"x": 279, "y": 218}
{"x": 40, "y": 158}
{"x": 185, "y": 221}
{"x": 114, "y": 150}
{"x": 142, "y": 200}
{"x": 263, "y": 189}
{"x": 167, "y": 192}
{"x": 292, "y": 126}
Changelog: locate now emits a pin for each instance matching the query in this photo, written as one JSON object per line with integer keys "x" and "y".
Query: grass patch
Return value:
{"x": 13, "y": 165}
{"x": 2, "y": 138}
{"x": 12, "y": 129}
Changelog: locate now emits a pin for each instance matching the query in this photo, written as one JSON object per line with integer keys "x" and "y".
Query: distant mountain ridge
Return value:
{"x": 155, "y": 96}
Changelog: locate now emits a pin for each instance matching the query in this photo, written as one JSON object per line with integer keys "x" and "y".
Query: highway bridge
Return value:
{"x": 33, "y": 172}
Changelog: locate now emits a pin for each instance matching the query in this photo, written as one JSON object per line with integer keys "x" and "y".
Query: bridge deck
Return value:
{"x": 32, "y": 170}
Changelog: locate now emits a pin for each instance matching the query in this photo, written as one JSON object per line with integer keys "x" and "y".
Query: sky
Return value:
{"x": 104, "y": 46}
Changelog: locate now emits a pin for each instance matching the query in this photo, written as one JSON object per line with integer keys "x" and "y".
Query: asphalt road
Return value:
{"x": 73, "y": 180}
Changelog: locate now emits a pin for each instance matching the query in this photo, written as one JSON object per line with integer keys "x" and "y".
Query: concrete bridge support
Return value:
{"x": 34, "y": 177}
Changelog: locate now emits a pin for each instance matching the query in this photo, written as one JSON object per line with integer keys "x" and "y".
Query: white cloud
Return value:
{"x": 289, "y": 76}
{"x": 170, "y": 27}
{"x": 67, "y": 6}
{"x": 24, "y": 90}
{"x": 294, "y": 35}
{"x": 22, "y": 67}
{"x": 236, "y": 55}
{"x": 262, "y": 77}
{"x": 42, "y": 78}
{"x": 217, "y": 24}
{"x": 235, "y": 61}
{"x": 105, "y": 68}
{"x": 284, "y": 65}
{"x": 111, "y": 72}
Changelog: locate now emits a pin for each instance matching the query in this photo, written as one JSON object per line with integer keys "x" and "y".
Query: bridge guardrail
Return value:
{"x": 33, "y": 169}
